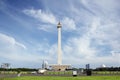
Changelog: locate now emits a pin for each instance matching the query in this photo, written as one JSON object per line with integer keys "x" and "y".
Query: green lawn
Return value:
{"x": 65, "y": 78}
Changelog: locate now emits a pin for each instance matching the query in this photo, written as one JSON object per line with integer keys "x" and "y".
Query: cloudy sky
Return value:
{"x": 90, "y": 32}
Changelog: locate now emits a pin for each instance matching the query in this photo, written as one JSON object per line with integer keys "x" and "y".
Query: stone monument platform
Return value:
{"x": 61, "y": 67}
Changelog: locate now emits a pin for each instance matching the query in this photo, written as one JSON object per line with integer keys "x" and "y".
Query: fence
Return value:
{"x": 57, "y": 73}
{"x": 105, "y": 72}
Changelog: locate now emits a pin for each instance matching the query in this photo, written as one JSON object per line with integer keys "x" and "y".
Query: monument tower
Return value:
{"x": 59, "y": 66}
{"x": 59, "y": 44}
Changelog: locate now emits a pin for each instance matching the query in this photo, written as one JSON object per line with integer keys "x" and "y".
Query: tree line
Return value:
{"x": 18, "y": 69}
{"x": 107, "y": 69}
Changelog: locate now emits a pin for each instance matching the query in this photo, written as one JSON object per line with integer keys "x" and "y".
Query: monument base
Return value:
{"x": 57, "y": 67}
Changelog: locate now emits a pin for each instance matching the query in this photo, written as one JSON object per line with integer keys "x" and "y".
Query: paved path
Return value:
{"x": 7, "y": 75}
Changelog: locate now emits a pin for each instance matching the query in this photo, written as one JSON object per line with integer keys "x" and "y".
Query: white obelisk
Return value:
{"x": 59, "y": 44}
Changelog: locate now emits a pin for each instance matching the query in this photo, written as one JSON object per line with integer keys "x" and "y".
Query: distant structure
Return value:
{"x": 103, "y": 66}
{"x": 5, "y": 65}
{"x": 45, "y": 65}
{"x": 87, "y": 66}
{"x": 59, "y": 66}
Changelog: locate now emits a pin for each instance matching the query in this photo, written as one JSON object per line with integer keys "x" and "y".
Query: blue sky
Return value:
{"x": 90, "y": 32}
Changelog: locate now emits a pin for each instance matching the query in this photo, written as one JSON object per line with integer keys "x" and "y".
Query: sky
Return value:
{"x": 90, "y": 32}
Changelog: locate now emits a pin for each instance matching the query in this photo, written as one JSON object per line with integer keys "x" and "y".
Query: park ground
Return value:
{"x": 64, "y": 78}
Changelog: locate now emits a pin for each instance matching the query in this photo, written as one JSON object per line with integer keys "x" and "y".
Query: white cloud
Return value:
{"x": 43, "y": 16}
{"x": 68, "y": 24}
{"x": 47, "y": 27}
{"x": 50, "y": 20}
{"x": 105, "y": 9}
{"x": 10, "y": 41}
{"x": 86, "y": 48}
{"x": 10, "y": 48}
{"x": 16, "y": 51}
{"x": 106, "y": 5}
{"x": 106, "y": 34}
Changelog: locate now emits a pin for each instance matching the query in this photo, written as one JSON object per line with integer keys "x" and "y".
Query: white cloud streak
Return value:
{"x": 50, "y": 20}
{"x": 10, "y": 41}
{"x": 45, "y": 17}
{"x": 68, "y": 24}
{"x": 87, "y": 51}
{"x": 14, "y": 51}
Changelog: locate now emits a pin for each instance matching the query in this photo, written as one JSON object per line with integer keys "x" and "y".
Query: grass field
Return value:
{"x": 65, "y": 78}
